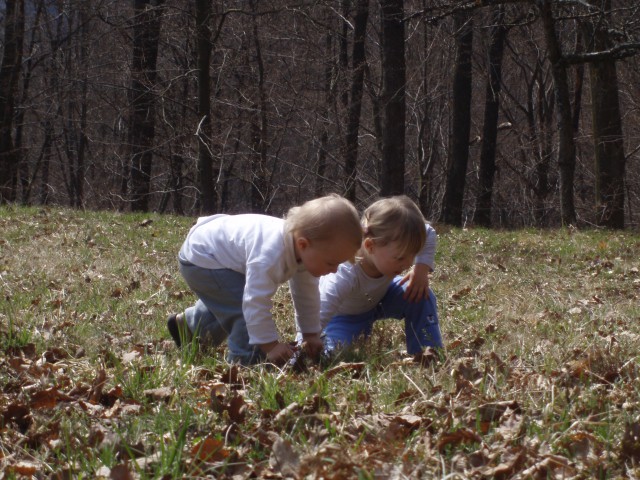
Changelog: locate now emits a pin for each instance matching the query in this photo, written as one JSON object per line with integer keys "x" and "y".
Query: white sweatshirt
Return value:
{"x": 258, "y": 247}
{"x": 350, "y": 291}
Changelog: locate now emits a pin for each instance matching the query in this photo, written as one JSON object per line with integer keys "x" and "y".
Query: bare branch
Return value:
{"x": 618, "y": 52}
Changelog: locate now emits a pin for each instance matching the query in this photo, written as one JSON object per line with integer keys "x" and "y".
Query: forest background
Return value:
{"x": 495, "y": 113}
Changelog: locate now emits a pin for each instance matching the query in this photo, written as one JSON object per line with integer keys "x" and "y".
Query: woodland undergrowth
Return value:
{"x": 538, "y": 377}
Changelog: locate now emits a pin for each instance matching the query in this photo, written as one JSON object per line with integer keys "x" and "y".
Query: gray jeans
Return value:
{"x": 217, "y": 315}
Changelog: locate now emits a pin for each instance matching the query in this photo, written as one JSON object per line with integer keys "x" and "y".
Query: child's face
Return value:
{"x": 388, "y": 259}
{"x": 323, "y": 257}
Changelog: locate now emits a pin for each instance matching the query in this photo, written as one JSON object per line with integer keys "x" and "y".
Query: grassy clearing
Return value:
{"x": 539, "y": 379}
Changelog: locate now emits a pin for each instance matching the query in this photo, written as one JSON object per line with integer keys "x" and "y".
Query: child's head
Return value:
{"x": 395, "y": 220}
{"x": 326, "y": 231}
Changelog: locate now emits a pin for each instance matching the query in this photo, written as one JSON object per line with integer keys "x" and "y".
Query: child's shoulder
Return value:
{"x": 254, "y": 220}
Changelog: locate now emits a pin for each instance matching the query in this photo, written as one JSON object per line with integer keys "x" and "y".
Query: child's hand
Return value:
{"x": 278, "y": 353}
{"x": 312, "y": 344}
{"x": 417, "y": 283}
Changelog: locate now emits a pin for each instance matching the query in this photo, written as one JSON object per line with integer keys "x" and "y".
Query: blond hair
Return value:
{"x": 395, "y": 219}
{"x": 325, "y": 218}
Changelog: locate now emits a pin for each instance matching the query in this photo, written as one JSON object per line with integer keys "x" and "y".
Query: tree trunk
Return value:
{"x": 461, "y": 122}
{"x": 428, "y": 148}
{"x": 566, "y": 142}
{"x": 260, "y": 184}
{"x": 607, "y": 129}
{"x": 355, "y": 99}
{"x": 321, "y": 165}
{"x": 146, "y": 34}
{"x": 208, "y": 195}
{"x": 9, "y": 75}
{"x": 74, "y": 129}
{"x": 490, "y": 127}
{"x": 393, "y": 98}
{"x": 26, "y": 177}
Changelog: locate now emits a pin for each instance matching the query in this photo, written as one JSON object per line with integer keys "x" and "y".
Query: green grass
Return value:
{"x": 546, "y": 322}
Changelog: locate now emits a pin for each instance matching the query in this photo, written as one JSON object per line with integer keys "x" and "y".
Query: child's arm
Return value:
{"x": 334, "y": 289}
{"x": 256, "y": 306}
{"x": 417, "y": 282}
{"x": 306, "y": 302}
{"x": 418, "y": 278}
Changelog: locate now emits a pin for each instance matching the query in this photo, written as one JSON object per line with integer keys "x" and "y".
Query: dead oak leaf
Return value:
{"x": 461, "y": 293}
{"x": 24, "y": 468}
{"x": 284, "y": 459}
{"x": 19, "y": 414}
{"x": 630, "y": 447}
{"x": 235, "y": 407}
{"x": 209, "y": 450}
{"x": 510, "y": 464}
{"x": 490, "y": 412}
{"x": 121, "y": 472}
{"x": 458, "y": 437}
{"x": 582, "y": 445}
{"x": 551, "y": 466}
{"x": 162, "y": 394}
{"x": 47, "y": 399}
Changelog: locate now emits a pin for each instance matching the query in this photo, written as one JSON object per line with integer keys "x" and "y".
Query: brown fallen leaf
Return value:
{"x": 19, "y": 414}
{"x": 23, "y": 468}
{"x": 461, "y": 293}
{"x": 459, "y": 437}
{"x": 209, "y": 450}
{"x": 284, "y": 459}
{"x": 551, "y": 466}
{"x": 120, "y": 472}
{"x": 492, "y": 412}
{"x": 162, "y": 394}
{"x": 630, "y": 447}
{"x": 46, "y": 399}
{"x": 512, "y": 462}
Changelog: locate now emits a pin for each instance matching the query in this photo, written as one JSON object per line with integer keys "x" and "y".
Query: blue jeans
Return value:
{"x": 217, "y": 315}
{"x": 421, "y": 324}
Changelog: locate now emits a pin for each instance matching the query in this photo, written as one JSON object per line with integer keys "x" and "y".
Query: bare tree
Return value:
{"x": 566, "y": 142}
{"x": 461, "y": 121}
{"x": 259, "y": 105}
{"x": 490, "y": 126}
{"x": 259, "y": 131}
{"x": 148, "y": 14}
{"x": 607, "y": 123}
{"x": 9, "y": 77}
{"x": 358, "y": 64}
{"x": 393, "y": 97}
{"x": 204, "y": 45}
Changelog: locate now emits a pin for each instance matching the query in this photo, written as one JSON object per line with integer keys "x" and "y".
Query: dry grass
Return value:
{"x": 539, "y": 379}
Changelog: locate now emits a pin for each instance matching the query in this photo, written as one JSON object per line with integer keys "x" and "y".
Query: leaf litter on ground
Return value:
{"x": 538, "y": 378}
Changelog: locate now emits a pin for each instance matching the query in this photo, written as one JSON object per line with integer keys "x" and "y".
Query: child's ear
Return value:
{"x": 367, "y": 244}
{"x": 302, "y": 243}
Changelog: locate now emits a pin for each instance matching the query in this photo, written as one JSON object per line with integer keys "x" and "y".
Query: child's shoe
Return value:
{"x": 178, "y": 329}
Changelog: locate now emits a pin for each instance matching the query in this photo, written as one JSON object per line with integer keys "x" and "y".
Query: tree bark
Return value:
{"x": 260, "y": 185}
{"x": 321, "y": 165}
{"x": 490, "y": 126}
{"x": 208, "y": 195}
{"x": 461, "y": 122}
{"x": 607, "y": 128}
{"x": 9, "y": 75}
{"x": 393, "y": 98}
{"x": 142, "y": 119}
{"x": 358, "y": 59}
{"x": 566, "y": 142}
